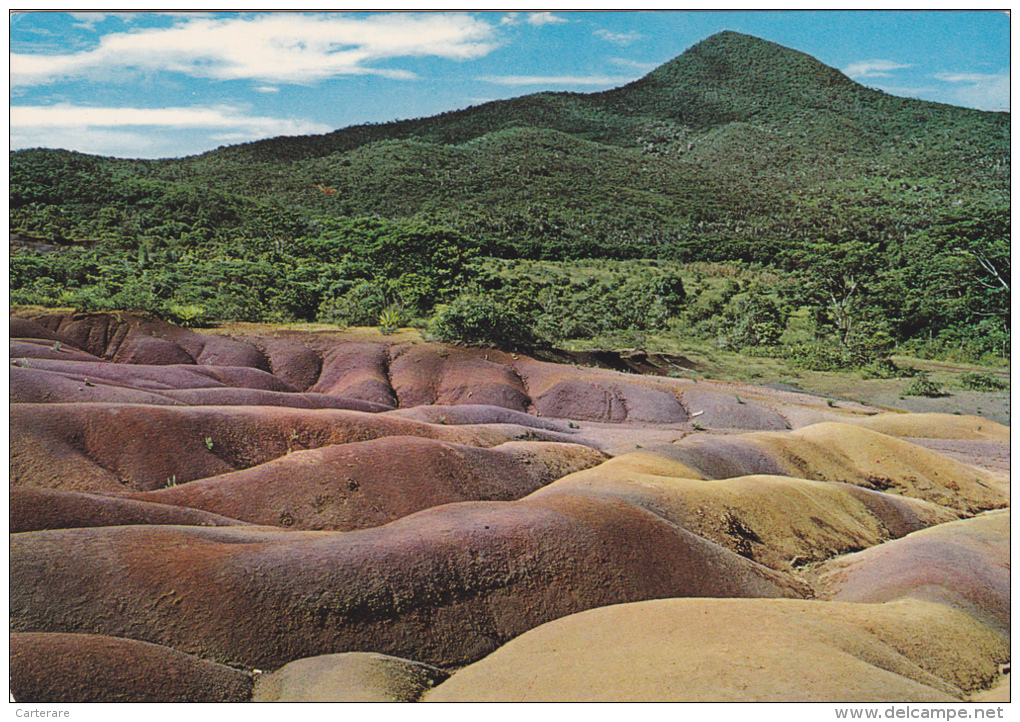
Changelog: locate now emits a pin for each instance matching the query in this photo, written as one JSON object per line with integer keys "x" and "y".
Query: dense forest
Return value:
{"x": 739, "y": 187}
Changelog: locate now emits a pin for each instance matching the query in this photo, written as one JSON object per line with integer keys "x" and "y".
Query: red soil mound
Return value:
{"x": 114, "y": 447}
{"x": 357, "y": 371}
{"x": 70, "y": 668}
{"x": 35, "y": 509}
{"x": 370, "y": 483}
{"x": 130, "y": 338}
{"x": 432, "y": 374}
{"x": 444, "y": 586}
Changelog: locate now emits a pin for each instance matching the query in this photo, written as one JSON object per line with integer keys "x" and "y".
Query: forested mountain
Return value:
{"x": 891, "y": 215}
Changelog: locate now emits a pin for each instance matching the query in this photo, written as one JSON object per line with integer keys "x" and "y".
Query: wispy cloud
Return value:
{"x": 89, "y": 20}
{"x": 556, "y": 80}
{"x": 66, "y": 115}
{"x": 621, "y": 39}
{"x": 535, "y": 19}
{"x": 144, "y": 132}
{"x": 539, "y": 19}
{"x": 985, "y": 91}
{"x": 634, "y": 65}
{"x": 872, "y": 69}
{"x": 280, "y": 48}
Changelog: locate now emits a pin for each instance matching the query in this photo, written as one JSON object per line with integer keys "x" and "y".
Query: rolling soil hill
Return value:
{"x": 350, "y": 516}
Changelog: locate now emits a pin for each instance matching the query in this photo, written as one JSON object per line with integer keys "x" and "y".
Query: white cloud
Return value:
{"x": 24, "y": 118}
{"x": 539, "y": 19}
{"x": 535, "y": 19}
{"x": 634, "y": 65}
{"x": 279, "y": 47}
{"x": 555, "y": 80}
{"x": 872, "y": 69}
{"x": 129, "y": 131}
{"x": 621, "y": 39}
{"x": 978, "y": 90}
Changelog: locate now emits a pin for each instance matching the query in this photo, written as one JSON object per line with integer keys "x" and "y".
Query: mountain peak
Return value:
{"x": 731, "y": 76}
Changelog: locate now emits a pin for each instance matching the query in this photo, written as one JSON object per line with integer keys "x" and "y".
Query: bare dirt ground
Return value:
{"x": 307, "y": 514}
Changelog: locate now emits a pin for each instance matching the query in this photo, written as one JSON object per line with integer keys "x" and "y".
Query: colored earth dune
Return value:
{"x": 281, "y": 515}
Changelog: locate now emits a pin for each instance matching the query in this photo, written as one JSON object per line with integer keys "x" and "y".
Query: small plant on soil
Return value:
{"x": 208, "y": 443}
{"x": 390, "y": 320}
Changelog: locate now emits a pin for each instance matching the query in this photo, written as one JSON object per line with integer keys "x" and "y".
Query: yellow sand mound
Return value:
{"x": 740, "y": 650}
{"x": 936, "y": 426}
{"x": 776, "y": 521}
{"x": 348, "y": 677}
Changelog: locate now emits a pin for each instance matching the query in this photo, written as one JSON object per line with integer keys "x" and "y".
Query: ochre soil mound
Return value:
{"x": 777, "y": 521}
{"x": 836, "y": 453}
{"x": 357, "y": 516}
{"x": 349, "y": 677}
{"x": 730, "y": 650}
{"x": 65, "y": 668}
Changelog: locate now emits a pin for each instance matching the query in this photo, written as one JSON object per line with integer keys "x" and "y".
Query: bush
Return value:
{"x": 360, "y": 306}
{"x": 886, "y": 368}
{"x": 480, "y": 320}
{"x": 976, "y": 381}
{"x": 923, "y": 386}
{"x": 816, "y": 357}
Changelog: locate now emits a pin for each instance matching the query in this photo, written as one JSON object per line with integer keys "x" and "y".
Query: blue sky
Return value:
{"x": 149, "y": 85}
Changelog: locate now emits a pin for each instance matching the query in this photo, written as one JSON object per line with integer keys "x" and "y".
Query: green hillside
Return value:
{"x": 889, "y": 216}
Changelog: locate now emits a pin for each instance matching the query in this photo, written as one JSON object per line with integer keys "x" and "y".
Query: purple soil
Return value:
{"x": 370, "y": 483}
{"x": 74, "y": 668}
{"x": 445, "y": 586}
{"x": 477, "y": 414}
{"x": 128, "y": 447}
{"x": 597, "y": 395}
{"x": 37, "y": 509}
{"x": 41, "y": 349}
{"x": 964, "y": 564}
{"x": 406, "y": 374}
{"x": 724, "y": 410}
{"x": 134, "y": 339}
{"x": 162, "y": 377}
{"x": 432, "y": 374}
{"x": 357, "y": 371}
{"x": 720, "y": 457}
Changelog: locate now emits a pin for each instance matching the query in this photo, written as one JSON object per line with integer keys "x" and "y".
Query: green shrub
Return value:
{"x": 360, "y": 306}
{"x": 816, "y": 357}
{"x": 923, "y": 386}
{"x": 886, "y": 368}
{"x": 480, "y": 320}
{"x": 976, "y": 381}
{"x": 186, "y": 315}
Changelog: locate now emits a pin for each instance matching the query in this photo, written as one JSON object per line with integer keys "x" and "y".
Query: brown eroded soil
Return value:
{"x": 313, "y": 515}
